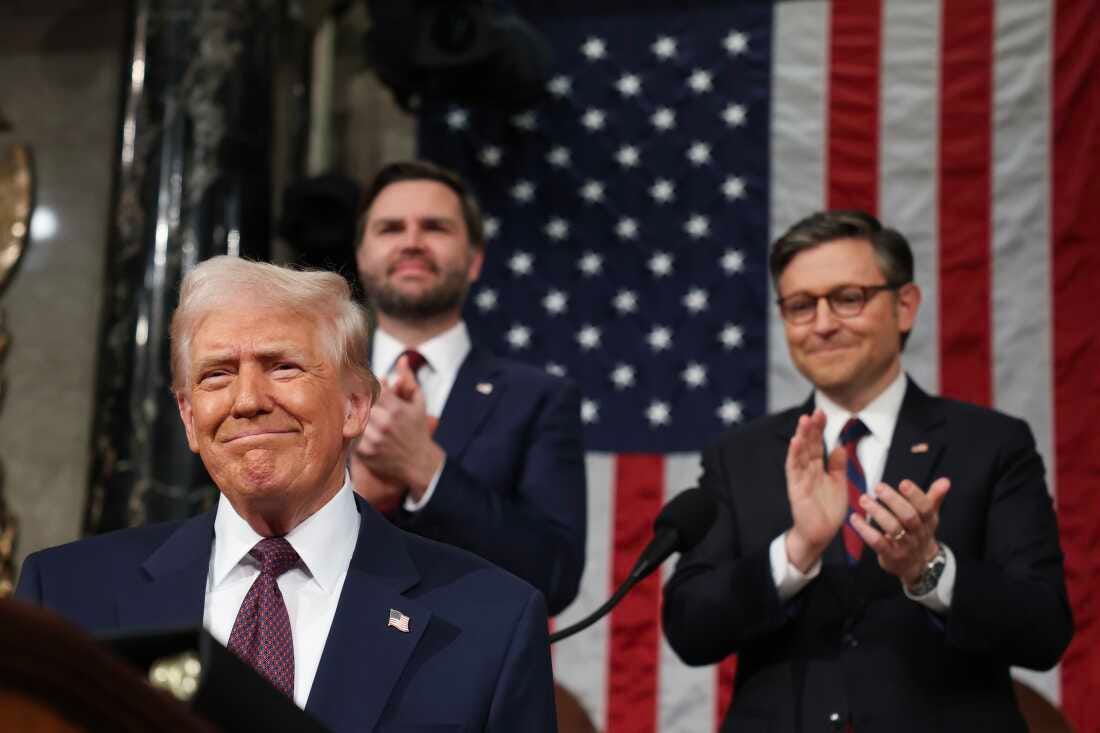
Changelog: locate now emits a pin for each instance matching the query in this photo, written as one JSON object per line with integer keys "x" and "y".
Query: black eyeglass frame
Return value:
{"x": 868, "y": 292}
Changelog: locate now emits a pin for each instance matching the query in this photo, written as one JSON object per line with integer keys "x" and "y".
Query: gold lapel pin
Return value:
{"x": 919, "y": 448}
{"x": 485, "y": 388}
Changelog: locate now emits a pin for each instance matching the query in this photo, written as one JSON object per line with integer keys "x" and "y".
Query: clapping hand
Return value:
{"x": 818, "y": 491}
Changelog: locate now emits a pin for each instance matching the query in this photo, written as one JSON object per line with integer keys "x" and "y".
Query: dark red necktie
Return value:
{"x": 415, "y": 359}
{"x": 261, "y": 634}
{"x": 854, "y": 430}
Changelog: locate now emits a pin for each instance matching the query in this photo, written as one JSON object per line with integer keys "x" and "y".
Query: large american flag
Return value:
{"x": 630, "y": 215}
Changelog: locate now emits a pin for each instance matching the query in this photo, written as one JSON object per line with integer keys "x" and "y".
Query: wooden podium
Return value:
{"x": 54, "y": 677}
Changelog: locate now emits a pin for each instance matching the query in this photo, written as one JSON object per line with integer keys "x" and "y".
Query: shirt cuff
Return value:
{"x": 416, "y": 505}
{"x": 938, "y": 600}
{"x": 789, "y": 580}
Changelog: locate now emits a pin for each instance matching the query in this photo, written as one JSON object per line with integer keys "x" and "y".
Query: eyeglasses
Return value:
{"x": 846, "y": 301}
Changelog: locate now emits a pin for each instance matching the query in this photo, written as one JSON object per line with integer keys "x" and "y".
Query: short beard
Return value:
{"x": 444, "y": 298}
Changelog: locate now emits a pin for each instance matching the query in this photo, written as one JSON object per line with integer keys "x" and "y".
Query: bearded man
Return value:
{"x": 463, "y": 446}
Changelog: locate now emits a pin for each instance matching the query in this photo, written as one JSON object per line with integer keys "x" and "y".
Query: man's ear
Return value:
{"x": 474, "y": 269}
{"x": 909, "y": 299}
{"x": 183, "y": 402}
{"x": 356, "y": 413}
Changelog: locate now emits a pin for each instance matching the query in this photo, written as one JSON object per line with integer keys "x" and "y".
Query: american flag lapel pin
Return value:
{"x": 398, "y": 621}
{"x": 919, "y": 448}
{"x": 485, "y": 388}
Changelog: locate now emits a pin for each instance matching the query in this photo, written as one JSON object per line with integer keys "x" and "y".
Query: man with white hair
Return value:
{"x": 356, "y": 620}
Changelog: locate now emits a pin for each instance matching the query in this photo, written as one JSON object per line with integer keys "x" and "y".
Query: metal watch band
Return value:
{"x": 930, "y": 578}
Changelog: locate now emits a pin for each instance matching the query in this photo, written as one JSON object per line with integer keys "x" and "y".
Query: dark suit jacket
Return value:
{"x": 850, "y": 644}
{"x": 513, "y": 486}
{"x": 475, "y": 658}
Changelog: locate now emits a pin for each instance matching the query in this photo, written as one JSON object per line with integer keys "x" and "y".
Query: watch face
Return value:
{"x": 931, "y": 575}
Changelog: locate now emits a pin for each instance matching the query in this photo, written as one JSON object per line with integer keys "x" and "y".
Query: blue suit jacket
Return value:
{"x": 475, "y": 658}
{"x": 513, "y": 486}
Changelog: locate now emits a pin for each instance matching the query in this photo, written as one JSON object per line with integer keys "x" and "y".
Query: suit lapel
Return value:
{"x": 176, "y": 589}
{"x": 916, "y": 447}
{"x": 477, "y": 388}
{"x": 364, "y": 656}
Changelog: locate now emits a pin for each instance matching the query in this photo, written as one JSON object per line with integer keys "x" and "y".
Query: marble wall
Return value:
{"x": 60, "y": 66}
{"x": 60, "y": 74}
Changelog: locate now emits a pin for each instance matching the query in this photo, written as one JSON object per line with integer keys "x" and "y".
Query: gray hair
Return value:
{"x": 325, "y": 296}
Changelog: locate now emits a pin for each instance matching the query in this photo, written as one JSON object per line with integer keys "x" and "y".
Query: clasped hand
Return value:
{"x": 906, "y": 518}
{"x": 396, "y": 453}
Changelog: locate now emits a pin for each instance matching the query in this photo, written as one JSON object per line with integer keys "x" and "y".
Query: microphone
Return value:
{"x": 681, "y": 525}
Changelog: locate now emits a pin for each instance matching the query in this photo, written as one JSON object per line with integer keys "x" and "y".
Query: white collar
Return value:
{"x": 880, "y": 415}
{"x": 325, "y": 540}
{"x": 444, "y": 352}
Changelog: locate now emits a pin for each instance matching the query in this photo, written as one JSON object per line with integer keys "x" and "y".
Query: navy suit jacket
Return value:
{"x": 850, "y": 645}
{"x": 476, "y": 656}
{"x": 513, "y": 485}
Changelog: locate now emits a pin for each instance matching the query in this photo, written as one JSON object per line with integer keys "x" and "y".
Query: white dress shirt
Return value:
{"x": 880, "y": 417}
{"x": 443, "y": 356}
{"x": 325, "y": 542}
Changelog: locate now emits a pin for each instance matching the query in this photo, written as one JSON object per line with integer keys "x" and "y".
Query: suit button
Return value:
{"x": 834, "y": 722}
{"x": 850, "y": 641}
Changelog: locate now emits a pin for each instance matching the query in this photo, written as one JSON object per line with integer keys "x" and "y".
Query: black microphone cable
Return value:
{"x": 681, "y": 525}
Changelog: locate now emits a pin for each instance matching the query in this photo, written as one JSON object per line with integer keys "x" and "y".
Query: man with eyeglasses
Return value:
{"x": 880, "y": 556}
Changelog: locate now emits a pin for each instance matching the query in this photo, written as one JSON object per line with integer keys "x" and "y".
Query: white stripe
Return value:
{"x": 1022, "y": 333}
{"x": 799, "y": 67}
{"x": 1022, "y": 315}
{"x": 686, "y": 695}
{"x": 580, "y": 662}
{"x": 908, "y": 159}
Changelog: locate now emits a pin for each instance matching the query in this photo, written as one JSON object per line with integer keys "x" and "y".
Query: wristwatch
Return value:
{"x": 930, "y": 578}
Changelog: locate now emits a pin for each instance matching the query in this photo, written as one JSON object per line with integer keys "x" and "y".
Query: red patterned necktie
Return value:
{"x": 854, "y": 430}
{"x": 261, "y": 634}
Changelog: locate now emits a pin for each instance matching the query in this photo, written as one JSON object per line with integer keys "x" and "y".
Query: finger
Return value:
{"x": 871, "y": 536}
{"x": 811, "y": 445}
{"x": 388, "y": 398}
{"x": 371, "y": 441}
{"x": 815, "y": 426}
{"x": 404, "y": 378}
{"x": 900, "y": 507}
{"x": 838, "y": 461}
{"x": 889, "y": 524}
{"x": 927, "y": 504}
{"x": 817, "y": 419}
{"x": 416, "y": 397}
{"x": 937, "y": 492}
{"x": 796, "y": 448}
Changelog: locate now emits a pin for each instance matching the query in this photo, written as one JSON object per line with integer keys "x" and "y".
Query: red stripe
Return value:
{"x": 635, "y": 643}
{"x": 727, "y": 670}
{"x": 1075, "y": 270}
{"x": 965, "y": 201}
{"x": 852, "y": 154}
